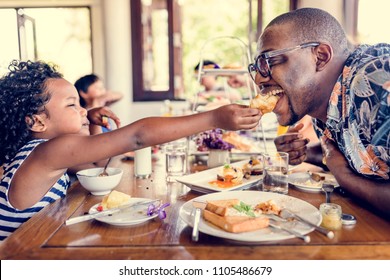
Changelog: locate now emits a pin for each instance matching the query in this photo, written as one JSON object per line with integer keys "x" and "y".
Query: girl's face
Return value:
{"x": 63, "y": 113}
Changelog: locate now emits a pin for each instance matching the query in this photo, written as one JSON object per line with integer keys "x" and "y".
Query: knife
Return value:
{"x": 285, "y": 213}
{"x": 104, "y": 213}
{"x": 293, "y": 232}
{"x": 198, "y": 207}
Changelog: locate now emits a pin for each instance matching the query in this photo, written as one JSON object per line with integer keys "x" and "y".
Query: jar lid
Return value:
{"x": 348, "y": 219}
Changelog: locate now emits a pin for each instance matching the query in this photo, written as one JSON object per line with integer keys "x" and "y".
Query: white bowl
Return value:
{"x": 99, "y": 185}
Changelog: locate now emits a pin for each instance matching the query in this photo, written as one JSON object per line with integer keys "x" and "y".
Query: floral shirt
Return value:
{"x": 358, "y": 116}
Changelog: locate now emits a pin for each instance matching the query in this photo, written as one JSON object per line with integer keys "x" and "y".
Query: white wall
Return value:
{"x": 334, "y": 7}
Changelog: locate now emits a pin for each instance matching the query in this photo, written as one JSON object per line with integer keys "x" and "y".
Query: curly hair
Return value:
{"x": 23, "y": 93}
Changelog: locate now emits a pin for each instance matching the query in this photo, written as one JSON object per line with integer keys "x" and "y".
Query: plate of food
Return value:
{"x": 128, "y": 217}
{"x": 304, "y": 181}
{"x": 239, "y": 215}
{"x": 225, "y": 178}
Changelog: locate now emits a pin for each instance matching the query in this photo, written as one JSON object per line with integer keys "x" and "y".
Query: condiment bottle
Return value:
{"x": 331, "y": 216}
{"x": 143, "y": 163}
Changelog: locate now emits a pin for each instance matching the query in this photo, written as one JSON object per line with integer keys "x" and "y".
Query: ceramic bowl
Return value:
{"x": 99, "y": 185}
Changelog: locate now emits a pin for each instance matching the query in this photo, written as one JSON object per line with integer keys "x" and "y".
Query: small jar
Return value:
{"x": 331, "y": 216}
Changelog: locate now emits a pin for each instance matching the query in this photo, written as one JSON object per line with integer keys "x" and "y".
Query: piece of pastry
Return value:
{"x": 265, "y": 103}
{"x": 114, "y": 199}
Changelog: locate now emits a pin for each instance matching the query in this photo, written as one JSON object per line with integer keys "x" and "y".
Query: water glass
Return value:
{"x": 175, "y": 159}
{"x": 275, "y": 178}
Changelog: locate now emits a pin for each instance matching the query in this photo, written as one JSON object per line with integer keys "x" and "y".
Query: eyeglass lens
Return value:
{"x": 260, "y": 66}
{"x": 263, "y": 66}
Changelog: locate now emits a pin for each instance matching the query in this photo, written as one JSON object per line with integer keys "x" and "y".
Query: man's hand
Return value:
{"x": 332, "y": 156}
{"x": 294, "y": 144}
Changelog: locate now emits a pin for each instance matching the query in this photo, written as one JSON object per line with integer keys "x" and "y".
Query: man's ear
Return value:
{"x": 324, "y": 54}
{"x": 36, "y": 123}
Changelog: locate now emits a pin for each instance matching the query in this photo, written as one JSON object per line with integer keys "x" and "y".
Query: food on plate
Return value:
{"x": 114, "y": 199}
{"x": 228, "y": 176}
{"x": 234, "y": 216}
{"x": 253, "y": 167}
{"x": 268, "y": 207}
{"x": 220, "y": 207}
{"x": 232, "y": 66}
{"x": 265, "y": 103}
{"x": 239, "y": 142}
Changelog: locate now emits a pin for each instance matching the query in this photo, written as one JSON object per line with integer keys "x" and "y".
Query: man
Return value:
{"x": 305, "y": 59}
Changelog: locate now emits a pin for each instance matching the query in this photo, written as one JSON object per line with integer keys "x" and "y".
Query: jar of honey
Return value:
{"x": 331, "y": 216}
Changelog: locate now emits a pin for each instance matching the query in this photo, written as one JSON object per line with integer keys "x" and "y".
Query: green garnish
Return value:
{"x": 226, "y": 166}
{"x": 245, "y": 208}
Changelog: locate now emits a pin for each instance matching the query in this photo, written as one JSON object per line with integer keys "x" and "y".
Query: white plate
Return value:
{"x": 200, "y": 181}
{"x": 300, "y": 207}
{"x": 301, "y": 180}
{"x": 132, "y": 216}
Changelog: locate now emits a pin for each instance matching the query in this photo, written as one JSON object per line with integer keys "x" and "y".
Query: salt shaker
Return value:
{"x": 143, "y": 163}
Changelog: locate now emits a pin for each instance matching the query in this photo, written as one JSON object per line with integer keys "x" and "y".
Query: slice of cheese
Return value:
{"x": 236, "y": 224}
{"x": 115, "y": 199}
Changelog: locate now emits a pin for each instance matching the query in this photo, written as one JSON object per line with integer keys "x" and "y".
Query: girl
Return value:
{"x": 45, "y": 131}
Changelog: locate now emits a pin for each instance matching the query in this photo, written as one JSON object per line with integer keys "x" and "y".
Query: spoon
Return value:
{"x": 328, "y": 189}
{"x": 104, "y": 173}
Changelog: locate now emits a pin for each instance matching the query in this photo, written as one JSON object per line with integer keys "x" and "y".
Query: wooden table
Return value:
{"x": 45, "y": 236}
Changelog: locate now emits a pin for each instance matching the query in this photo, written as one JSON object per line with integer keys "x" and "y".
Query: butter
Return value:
{"x": 331, "y": 216}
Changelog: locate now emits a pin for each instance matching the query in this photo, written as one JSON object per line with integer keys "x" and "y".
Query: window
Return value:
{"x": 167, "y": 36}
{"x": 58, "y": 35}
{"x": 372, "y": 26}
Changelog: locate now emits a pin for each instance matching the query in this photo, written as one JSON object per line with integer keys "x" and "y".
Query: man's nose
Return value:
{"x": 259, "y": 79}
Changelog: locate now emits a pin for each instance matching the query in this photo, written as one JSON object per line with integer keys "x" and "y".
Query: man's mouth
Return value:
{"x": 271, "y": 91}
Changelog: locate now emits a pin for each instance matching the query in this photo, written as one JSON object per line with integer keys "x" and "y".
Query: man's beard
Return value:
{"x": 294, "y": 118}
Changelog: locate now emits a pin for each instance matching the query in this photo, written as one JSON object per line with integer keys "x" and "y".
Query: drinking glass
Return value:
{"x": 175, "y": 159}
{"x": 275, "y": 178}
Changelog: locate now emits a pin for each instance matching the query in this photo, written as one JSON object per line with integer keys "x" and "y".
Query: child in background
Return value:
{"x": 93, "y": 93}
{"x": 45, "y": 131}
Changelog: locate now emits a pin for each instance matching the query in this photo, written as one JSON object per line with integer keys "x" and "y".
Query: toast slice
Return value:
{"x": 220, "y": 207}
{"x": 236, "y": 224}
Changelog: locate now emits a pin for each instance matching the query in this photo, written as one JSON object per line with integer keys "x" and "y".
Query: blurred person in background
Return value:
{"x": 93, "y": 93}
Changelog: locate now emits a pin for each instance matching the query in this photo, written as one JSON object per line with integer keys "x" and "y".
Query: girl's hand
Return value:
{"x": 99, "y": 115}
{"x": 236, "y": 117}
{"x": 294, "y": 144}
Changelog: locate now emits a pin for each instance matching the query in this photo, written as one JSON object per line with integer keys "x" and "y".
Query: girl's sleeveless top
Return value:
{"x": 11, "y": 218}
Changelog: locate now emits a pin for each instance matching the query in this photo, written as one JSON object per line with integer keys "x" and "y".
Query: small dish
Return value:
{"x": 303, "y": 181}
{"x": 133, "y": 216}
{"x": 99, "y": 185}
{"x": 200, "y": 181}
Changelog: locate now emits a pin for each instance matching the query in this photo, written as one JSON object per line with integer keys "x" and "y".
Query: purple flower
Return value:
{"x": 153, "y": 209}
{"x": 212, "y": 139}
